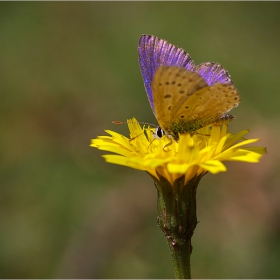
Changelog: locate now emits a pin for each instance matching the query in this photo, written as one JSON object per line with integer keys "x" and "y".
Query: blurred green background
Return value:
{"x": 67, "y": 70}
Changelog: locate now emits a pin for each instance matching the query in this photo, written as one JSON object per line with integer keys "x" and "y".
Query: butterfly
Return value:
{"x": 184, "y": 97}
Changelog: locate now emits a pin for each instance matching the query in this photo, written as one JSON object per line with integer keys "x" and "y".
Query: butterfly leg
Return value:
{"x": 135, "y": 136}
{"x": 168, "y": 144}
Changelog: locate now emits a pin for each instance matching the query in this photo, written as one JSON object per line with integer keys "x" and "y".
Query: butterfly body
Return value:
{"x": 184, "y": 98}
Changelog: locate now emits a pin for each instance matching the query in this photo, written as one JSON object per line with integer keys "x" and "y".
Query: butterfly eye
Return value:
{"x": 159, "y": 132}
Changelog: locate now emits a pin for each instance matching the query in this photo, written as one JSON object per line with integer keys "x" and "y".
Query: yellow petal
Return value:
{"x": 213, "y": 166}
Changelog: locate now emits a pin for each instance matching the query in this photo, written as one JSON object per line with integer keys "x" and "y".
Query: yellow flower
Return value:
{"x": 193, "y": 154}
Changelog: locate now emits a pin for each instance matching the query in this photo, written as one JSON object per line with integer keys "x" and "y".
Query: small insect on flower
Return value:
{"x": 191, "y": 104}
{"x": 184, "y": 97}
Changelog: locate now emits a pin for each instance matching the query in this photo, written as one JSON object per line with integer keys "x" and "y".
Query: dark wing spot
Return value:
{"x": 173, "y": 83}
{"x": 182, "y": 91}
{"x": 160, "y": 84}
{"x": 187, "y": 107}
{"x": 169, "y": 108}
{"x": 167, "y": 96}
{"x": 182, "y": 116}
{"x": 167, "y": 83}
{"x": 179, "y": 85}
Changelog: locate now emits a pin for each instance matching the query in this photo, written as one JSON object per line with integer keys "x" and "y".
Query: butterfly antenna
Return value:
{"x": 117, "y": 122}
{"x": 120, "y": 122}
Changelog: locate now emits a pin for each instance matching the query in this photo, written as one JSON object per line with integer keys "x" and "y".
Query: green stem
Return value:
{"x": 177, "y": 220}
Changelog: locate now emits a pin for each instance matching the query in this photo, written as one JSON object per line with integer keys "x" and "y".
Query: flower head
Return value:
{"x": 193, "y": 154}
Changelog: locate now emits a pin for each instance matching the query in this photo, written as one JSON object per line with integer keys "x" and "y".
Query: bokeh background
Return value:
{"x": 67, "y": 70}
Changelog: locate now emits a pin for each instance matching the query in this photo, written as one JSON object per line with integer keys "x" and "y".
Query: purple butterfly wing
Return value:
{"x": 154, "y": 52}
{"x": 213, "y": 73}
